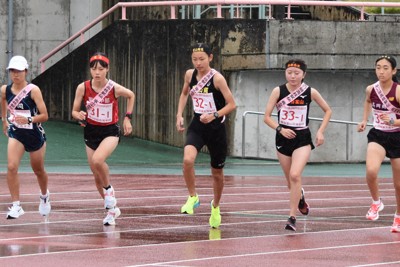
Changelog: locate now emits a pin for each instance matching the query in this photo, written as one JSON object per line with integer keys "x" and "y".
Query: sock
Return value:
{"x": 107, "y": 187}
{"x": 376, "y": 202}
{"x": 16, "y": 203}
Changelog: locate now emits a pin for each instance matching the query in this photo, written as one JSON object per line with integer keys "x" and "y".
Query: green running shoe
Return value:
{"x": 191, "y": 203}
{"x": 215, "y": 218}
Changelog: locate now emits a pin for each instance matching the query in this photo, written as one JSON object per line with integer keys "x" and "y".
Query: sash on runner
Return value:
{"x": 296, "y": 93}
{"x": 13, "y": 105}
{"x": 100, "y": 96}
{"x": 202, "y": 82}
{"x": 18, "y": 98}
{"x": 384, "y": 99}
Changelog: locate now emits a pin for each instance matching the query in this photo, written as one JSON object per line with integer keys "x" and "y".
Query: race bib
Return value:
{"x": 203, "y": 103}
{"x": 293, "y": 116}
{"x": 23, "y": 113}
{"x": 101, "y": 113}
{"x": 380, "y": 124}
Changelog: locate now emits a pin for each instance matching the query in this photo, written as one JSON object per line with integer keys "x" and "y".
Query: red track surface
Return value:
{"x": 152, "y": 232}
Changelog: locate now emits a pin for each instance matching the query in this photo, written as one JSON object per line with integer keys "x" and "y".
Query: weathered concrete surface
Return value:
{"x": 150, "y": 57}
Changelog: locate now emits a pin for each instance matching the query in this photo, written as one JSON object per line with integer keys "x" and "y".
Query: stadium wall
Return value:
{"x": 150, "y": 57}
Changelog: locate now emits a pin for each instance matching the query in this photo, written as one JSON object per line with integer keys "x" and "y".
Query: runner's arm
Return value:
{"x": 316, "y": 96}
{"x": 4, "y": 109}
{"x": 183, "y": 100}
{"x": 43, "y": 116}
{"x": 367, "y": 110}
{"x": 273, "y": 99}
{"x": 130, "y": 102}
{"x": 77, "y": 113}
{"x": 220, "y": 84}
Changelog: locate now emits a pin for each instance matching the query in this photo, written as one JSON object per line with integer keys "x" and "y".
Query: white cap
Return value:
{"x": 18, "y": 63}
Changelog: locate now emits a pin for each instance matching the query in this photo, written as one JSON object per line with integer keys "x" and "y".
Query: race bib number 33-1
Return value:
{"x": 293, "y": 116}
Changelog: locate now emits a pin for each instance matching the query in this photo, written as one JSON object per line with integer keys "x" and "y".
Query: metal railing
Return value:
{"x": 218, "y": 4}
{"x": 347, "y": 123}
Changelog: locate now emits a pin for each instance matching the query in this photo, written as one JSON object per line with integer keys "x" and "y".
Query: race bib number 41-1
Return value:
{"x": 293, "y": 116}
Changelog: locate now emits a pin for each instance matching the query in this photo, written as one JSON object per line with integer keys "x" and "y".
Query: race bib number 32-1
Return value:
{"x": 203, "y": 103}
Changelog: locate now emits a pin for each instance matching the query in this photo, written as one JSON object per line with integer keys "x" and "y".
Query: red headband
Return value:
{"x": 100, "y": 57}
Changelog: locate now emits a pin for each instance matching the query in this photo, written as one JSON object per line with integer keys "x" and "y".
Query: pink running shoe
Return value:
{"x": 373, "y": 212}
{"x": 396, "y": 226}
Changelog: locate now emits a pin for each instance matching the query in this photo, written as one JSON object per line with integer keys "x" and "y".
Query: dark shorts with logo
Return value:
{"x": 212, "y": 135}
{"x": 95, "y": 134}
{"x": 390, "y": 141}
{"x": 32, "y": 139}
{"x": 288, "y": 146}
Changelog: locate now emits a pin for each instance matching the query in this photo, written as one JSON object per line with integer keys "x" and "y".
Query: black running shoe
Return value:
{"x": 303, "y": 206}
{"x": 291, "y": 224}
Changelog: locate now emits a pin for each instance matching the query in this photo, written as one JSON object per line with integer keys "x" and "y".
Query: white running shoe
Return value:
{"x": 373, "y": 212}
{"x": 109, "y": 198}
{"x": 112, "y": 214}
{"x": 15, "y": 212}
{"x": 45, "y": 206}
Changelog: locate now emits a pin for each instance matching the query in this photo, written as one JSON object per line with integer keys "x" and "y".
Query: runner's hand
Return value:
{"x": 361, "y": 126}
{"x": 179, "y": 124}
{"x": 127, "y": 126}
{"x": 207, "y": 118}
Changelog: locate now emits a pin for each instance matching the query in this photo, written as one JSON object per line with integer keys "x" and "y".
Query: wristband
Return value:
{"x": 128, "y": 115}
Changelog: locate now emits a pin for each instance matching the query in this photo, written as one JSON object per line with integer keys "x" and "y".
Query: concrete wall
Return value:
{"x": 40, "y": 26}
{"x": 151, "y": 56}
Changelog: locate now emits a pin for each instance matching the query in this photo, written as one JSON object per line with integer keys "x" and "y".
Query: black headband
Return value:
{"x": 295, "y": 64}
{"x": 201, "y": 48}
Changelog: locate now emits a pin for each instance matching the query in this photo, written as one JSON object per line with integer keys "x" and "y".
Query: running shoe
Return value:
{"x": 303, "y": 206}
{"x": 109, "y": 198}
{"x": 373, "y": 212}
{"x": 44, "y": 206}
{"x": 215, "y": 218}
{"x": 396, "y": 225}
{"x": 112, "y": 214}
{"x": 191, "y": 203}
{"x": 15, "y": 212}
{"x": 291, "y": 224}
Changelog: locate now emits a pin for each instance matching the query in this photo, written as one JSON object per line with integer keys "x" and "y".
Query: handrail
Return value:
{"x": 218, "y": 3}
{"x": 274, "y": 114}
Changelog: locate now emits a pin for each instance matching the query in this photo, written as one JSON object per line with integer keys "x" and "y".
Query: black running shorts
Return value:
{"x": 287, "y": 146}
{"x": 32, "y": 139}
{"x": 212, "y": 135}
{"x": 390, "y": 141}
{"x": 94, "y": 134}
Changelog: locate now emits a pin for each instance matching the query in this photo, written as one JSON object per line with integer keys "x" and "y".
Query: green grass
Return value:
{"x": 377, "y": 10}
